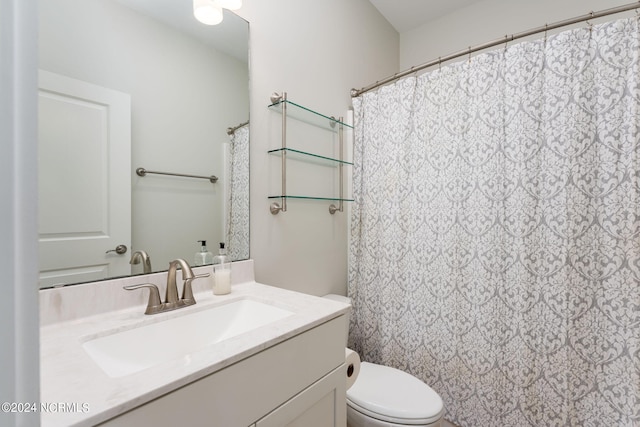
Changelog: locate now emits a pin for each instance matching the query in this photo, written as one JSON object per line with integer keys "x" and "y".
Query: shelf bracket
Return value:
{"x": 340, "y": 208}
{"x": 276, "y": 208}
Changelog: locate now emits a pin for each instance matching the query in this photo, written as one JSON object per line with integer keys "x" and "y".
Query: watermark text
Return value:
{"x": 46, "y": 407}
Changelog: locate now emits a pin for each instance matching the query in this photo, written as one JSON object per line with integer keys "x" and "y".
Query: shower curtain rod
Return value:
{"x": 231, "y": 131}
{"x": 508, "y": 38}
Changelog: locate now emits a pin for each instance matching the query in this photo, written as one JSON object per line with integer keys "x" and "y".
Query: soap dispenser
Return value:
{"x": 203, "y": 257}
{"x": 221, "y": 272}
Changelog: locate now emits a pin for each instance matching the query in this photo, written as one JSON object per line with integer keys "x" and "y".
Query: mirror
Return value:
{"x": 180, "y": 86}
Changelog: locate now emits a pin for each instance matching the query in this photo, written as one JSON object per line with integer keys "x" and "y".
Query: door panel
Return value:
{"x": 84, "y": 206}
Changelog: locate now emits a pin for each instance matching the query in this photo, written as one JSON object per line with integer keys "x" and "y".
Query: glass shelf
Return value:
{"x": 301, "y": 113}
{"x": 308, "y": 157}
{"x": 305, "y": 116}
{"x": 332, "y": 199}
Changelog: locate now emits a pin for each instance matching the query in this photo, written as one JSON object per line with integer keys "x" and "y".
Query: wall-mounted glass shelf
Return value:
{"x": 303, "y": 114}
{"x": 280, "y": 104}
{"x": 308, "y": 157}
{"x": 332, "y": 199}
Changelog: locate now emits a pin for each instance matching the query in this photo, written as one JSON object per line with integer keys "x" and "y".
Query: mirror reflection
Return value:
{"x": 132, "y": 84}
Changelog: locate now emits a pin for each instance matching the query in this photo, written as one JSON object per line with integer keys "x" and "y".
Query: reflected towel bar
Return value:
{"x": 143, "y": 172}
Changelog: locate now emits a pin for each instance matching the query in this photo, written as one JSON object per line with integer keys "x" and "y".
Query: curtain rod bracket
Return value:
{"x": 231, "y": 130}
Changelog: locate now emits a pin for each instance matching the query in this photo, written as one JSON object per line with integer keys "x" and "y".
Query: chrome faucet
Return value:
{"x": 171, "y": 301}
{"x": 141, "y": 256}
{"x": 171, "y": 296}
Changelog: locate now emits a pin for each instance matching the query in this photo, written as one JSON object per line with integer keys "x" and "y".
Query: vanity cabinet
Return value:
{"x": 298, "y": 382}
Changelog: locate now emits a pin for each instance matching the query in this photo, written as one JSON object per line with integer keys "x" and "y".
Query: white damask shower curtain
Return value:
{"x": 237, "y": 223}
{"x": 495, "y": 249}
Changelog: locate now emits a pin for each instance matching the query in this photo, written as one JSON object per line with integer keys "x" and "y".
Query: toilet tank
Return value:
{"x": 345, "y": 300}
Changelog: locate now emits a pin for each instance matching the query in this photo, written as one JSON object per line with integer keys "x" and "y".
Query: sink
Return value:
{"x": 132, "y": 350}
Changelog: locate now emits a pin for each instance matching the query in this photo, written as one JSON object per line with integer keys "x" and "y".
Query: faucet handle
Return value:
{"x": 154, "y": 305}
{"x": 187, "y": 291}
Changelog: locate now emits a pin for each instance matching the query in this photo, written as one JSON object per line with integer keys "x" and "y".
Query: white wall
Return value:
{"x": 487, "y": 21}
{"x": 316, "y": 51}
{"x": 178, "y": 120}
{"x": 19, "y": 351}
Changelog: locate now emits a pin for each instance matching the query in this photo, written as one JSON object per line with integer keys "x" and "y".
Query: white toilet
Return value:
{"x": 387, "y": 397}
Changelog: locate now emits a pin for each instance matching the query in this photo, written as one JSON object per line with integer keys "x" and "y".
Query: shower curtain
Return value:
{"x": 237, "y": 223}
{"x": 495, "y": 234}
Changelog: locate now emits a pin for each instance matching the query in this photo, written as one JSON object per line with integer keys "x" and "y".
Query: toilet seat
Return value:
{"x": 391, "y": 395}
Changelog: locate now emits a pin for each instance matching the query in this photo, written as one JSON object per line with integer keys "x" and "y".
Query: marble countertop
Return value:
{"x": 69, "y": 376}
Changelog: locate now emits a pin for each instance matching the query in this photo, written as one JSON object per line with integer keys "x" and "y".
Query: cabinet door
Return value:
{"x": 323, "y": 404}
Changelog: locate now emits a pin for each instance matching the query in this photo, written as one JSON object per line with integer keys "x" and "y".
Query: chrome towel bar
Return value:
{"x": 143, "y": 172}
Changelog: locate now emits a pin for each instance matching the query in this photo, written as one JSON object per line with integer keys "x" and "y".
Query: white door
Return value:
{"x": 84, "y": 155}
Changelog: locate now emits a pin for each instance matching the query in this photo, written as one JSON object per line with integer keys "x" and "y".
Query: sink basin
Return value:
{"x": 126, "y": 352}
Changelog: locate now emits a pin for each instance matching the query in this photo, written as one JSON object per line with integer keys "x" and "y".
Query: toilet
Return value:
{"x": 387, "y": 397}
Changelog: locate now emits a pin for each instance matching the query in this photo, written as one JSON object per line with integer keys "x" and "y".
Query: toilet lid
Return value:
{"x": 392, "y": 395}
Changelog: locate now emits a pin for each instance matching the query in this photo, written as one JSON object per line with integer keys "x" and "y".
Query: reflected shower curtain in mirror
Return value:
{"x": 237, "y": 223}
{"x": 495, "y": 236}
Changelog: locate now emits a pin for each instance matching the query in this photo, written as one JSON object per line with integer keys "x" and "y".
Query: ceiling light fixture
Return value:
{"x": 230, "y": 4}
{"x": 207, "y": 11}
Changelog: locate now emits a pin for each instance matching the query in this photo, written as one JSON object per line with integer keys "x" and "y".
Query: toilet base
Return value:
{"x": 357, "y": 419}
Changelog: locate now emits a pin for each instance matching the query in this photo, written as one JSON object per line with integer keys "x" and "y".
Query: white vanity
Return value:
{"x": 278, "y": 362}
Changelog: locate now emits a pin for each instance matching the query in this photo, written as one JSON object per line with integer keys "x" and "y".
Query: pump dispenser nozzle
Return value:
{"x": 203, "y": 257}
